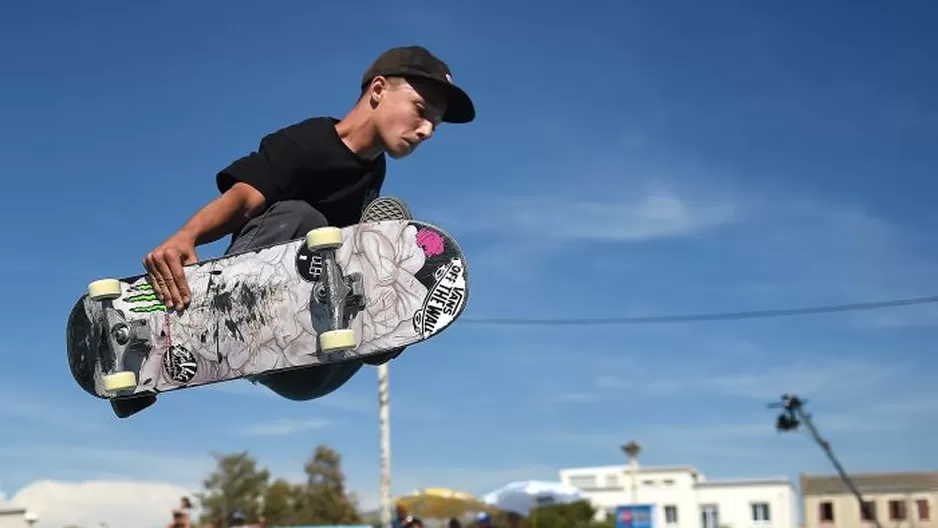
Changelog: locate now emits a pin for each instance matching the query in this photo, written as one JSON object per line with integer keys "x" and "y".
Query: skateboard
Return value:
{"x": 336, "y": 295}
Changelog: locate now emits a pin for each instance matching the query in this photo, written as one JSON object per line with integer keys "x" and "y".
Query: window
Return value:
{"x": 896, "y": 510}
{"x": 709, "y": 516}
{"x": 670, "y": 515}
{"x": 668, "y": 482}
{"x": 923, "y": 513}
{"x": 826, "y": 512}
{"x": 648, "y": 483}
{"x": 760, "y": 512}
{"x": 868, "y": 511}
{"x": 583, "y": 481}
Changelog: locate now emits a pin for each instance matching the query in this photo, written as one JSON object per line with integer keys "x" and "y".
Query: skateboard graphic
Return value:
{"x": 339, "y": 294}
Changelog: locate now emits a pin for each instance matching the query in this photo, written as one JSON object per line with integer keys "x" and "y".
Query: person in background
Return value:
{"x": 483, "y": 520}
{"x": 413, "y": 522}
{"x": 401, "y": 513}
{"x": 514, "y": 520}
{"x": 180, "y": 519}
{"x": 454, "y": 523}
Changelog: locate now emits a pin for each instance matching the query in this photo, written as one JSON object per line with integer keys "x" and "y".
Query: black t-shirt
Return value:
{"x": 308, "y": 161}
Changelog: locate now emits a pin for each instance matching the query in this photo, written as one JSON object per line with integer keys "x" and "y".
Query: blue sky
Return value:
{"x": 627, "y": 159}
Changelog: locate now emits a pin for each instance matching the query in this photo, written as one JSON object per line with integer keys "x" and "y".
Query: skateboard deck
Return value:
{"x": 336, "y": 295}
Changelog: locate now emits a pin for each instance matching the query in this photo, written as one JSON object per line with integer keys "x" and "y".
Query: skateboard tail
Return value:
{"x": 89, "y": 356}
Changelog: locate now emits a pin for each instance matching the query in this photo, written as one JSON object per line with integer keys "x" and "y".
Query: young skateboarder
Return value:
{"x": 318, "y": 172}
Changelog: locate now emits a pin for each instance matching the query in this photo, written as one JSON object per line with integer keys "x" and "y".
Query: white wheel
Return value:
{"x": 100, "y": 290}
{"x": 324, "y": 238}
{"x": 120, "y": 381}
{"x": 336, "y": 340}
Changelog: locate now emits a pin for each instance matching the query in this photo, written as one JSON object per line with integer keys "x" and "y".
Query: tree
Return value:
{"x": 325, "y": 499}
{"x": 576, "y": 515}
{"x": 283, "y": 503}
{"x": 237, "y": 485}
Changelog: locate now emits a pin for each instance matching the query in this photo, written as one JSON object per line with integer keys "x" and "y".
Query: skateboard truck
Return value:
{"x": 337, "y": 293}
{"x": 343, "y": 296}
{"x": 121, "y": 335}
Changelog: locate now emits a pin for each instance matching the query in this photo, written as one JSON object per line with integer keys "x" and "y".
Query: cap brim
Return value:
{"x": 459, "y": 107}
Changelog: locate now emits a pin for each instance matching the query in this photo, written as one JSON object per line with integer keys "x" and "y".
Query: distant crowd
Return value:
{"x": 182, "y": 519}
{"x": 482, "y": 520}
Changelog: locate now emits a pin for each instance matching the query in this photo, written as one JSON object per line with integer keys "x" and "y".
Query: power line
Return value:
{"x": 749, "y": 314}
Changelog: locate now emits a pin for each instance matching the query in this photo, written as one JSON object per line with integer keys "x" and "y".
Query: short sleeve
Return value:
{"x": 272, "y": 169}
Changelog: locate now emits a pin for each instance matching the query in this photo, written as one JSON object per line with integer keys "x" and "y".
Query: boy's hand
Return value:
{"x": 164, "y": 264}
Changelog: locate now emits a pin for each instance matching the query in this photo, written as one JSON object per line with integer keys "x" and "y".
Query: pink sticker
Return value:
{"x": 430, "y": 241}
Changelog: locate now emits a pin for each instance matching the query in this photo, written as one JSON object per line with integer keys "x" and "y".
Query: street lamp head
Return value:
{"x": 30, "y": 518}
{"x": 632, "y": 449}
{"x": 786, "y": 422}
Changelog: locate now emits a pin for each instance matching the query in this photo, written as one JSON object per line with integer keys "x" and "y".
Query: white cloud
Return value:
{"x": 285, "y": 427}
{"x": 657, "y": 212}
{"x": 115, "y": 504}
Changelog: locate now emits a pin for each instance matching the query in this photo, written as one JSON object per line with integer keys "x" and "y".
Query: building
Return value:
{"x": 681, "y": 497}
{"x": 896, "y": 500}
{"x": 12, "y": 516}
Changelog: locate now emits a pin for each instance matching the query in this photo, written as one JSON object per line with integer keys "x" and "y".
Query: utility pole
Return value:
{"x": 794, "y": 415}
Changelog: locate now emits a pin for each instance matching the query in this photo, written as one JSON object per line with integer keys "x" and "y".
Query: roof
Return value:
{"x": 870, "y": 483}
{"x": 626, "y": 467}
{"x": 771, "y": 481}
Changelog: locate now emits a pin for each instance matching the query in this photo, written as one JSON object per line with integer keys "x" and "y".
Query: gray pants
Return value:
{"x": 281, "y": 222}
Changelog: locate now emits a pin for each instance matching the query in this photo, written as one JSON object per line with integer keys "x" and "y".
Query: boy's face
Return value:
{"x": 405, "y": 112}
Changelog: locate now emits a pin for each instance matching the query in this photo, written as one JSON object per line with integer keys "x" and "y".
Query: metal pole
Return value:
{"x": 384, "y": 427}
{"x": 794, "y": 407}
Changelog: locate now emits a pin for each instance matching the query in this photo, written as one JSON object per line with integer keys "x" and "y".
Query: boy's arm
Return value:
{"x": 248, "y": 185}
{"x": 223, "y": 215}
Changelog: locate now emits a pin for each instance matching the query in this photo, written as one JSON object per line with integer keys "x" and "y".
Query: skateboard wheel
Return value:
{"x": 120, "y": 381}
{"x": 103, "y": 289}
{"x": 324, "y": 238}
{"x": 336, "y": 340}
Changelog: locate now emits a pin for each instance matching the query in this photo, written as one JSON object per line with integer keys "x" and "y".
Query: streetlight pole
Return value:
{"x": 632, "y": 450}
{"x": 384, "y": 427}
{"x": 794, "y": 415}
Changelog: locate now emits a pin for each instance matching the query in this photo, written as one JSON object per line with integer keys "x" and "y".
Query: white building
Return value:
{"x": 12, "y": 516}
{"x": 681, "y": 497}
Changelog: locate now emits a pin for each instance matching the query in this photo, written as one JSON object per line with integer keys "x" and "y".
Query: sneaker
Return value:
{"x": 380, "y": 209}
{"x": 386, "y": 208}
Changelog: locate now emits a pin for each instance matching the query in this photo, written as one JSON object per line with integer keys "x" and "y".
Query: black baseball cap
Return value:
{"x": 417, "y": 61}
